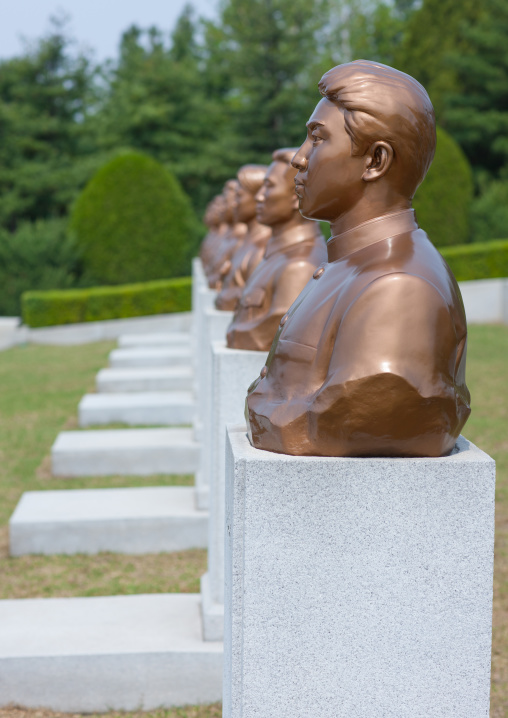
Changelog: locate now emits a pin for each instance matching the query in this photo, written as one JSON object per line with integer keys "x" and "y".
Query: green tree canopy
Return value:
{"x": 477, "y": 112}
{"x": 46, "y": 153}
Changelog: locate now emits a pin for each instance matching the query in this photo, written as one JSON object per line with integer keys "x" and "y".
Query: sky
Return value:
{"x": 96, "y": 24}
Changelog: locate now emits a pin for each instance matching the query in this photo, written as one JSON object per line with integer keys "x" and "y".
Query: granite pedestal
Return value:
{"x": 214, "y": 327}
{"x": 205, "y": 298}
{"x": 233, "y": 370}
{"x": 358, "y": 588}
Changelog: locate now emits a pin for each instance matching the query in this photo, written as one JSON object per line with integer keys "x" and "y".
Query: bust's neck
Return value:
{"x": 366, "y": 210}
{"x": 295, "y": 226}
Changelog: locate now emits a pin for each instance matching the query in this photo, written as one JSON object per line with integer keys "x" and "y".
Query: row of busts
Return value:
{"x": 366, "y": 334}
{"x": 260, "y": 251}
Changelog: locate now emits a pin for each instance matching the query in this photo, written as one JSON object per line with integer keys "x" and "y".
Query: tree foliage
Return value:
{"x": 212, "y": 95}
{"x": 46, "y": 154}
{"x": 38, "y": 255}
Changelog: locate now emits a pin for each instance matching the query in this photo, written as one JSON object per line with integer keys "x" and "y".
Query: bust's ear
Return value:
{"x": 378, "y": 160}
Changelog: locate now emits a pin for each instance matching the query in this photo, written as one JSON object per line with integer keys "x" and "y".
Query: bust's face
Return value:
{"x": 229, "y": 195}
{"x": 329, "y": 178}
{"x": 276, "y": 200}
{"x": 245, "y": 208}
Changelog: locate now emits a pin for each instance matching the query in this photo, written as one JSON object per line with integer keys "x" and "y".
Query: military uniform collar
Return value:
{"x": 374, "y": 230}
{"x": 303, "y": 233}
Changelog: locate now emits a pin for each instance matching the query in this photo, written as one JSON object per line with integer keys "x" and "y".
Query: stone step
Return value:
{"x": 124, "y": 653}
{"x": 161, "y": 339}
{"x": 168, "y": 407}
{"x": 150, "y": 357}
{"x": 138, "y": 520}
{"x": 133, "y": 452}
{"x": 147, "y": 379}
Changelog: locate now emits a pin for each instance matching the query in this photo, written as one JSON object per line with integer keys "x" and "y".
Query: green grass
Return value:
{"x": 210, "y": 711}
{"x": 40, "y": 388}
{"x": 487, "y": 378}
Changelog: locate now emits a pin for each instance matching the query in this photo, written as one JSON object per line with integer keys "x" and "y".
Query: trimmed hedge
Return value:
{"x": 134, "y": 223}
{"x": 165, "y": 296}
{"x": 482, "y": 260}
{"x": 443, "y": 201}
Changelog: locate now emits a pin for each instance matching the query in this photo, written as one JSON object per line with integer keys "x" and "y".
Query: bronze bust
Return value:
{"x": 293, "y": 252}
{"x": 230, "y": 239}
{"x": 370, "y": 360}
{"x": 236, "y": 271}
{"x": 217, "y": 228}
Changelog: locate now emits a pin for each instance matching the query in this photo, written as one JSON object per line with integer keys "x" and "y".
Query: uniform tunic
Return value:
{"x": 288, "y": 264}
{"x": 243, "y": 262}
{"x": 370, "y": 359}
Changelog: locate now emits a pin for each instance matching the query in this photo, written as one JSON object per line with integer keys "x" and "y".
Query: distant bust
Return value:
{"x": 371, "y": 358}
{"x": 230, "y": 239}
{"x": 217, "y": 229}
{"x": 293, "y": 252}
{"x": 236, "y": 271}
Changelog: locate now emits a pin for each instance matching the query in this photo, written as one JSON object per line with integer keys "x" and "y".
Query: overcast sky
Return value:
{"x": 96, "y": 24}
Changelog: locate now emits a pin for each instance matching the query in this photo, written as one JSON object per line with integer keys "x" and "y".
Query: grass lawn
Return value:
{"x": 39, "y": 391}
{"x": 210, "y": 711}
{"x": 40, "y": 388}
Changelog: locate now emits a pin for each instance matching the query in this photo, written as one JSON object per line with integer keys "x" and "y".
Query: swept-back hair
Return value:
{"x": 251, "y": 177}
{"x": 381, "y": 103}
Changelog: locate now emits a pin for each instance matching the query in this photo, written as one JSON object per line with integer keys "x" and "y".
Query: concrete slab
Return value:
{"x": 88, "y": 655}
{"x": 165, "y": 407}
{"x": 109, "y": 329}
{"x": 150, "y": 357}
{"x": 147, "y": 379}
{"x": 155, "y": 339}
{"x": 137, "y": 520}
{"x": 133, "y": 452}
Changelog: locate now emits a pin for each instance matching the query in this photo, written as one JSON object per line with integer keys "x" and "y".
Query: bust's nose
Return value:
{"x": 299, "y": 161}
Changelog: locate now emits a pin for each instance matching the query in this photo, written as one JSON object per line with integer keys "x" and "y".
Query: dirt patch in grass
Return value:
{"x": 105, "y": 574}
{"x": 208, "y": 711}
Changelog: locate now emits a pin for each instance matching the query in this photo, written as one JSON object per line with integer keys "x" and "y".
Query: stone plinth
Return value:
{"x": 133, "y": 452}
{"x": 134, "y": 357}
{"x": 110, "y": 381}
{"x": 137, "y": 408}
{"x": 137, "y": 520}
{"x": 93, "y": 655}
{"x": 233, "y": 370}
{"x": 213, "y": 328}
{"x": 358, "y": 587}
{"x": 161, "y": 339}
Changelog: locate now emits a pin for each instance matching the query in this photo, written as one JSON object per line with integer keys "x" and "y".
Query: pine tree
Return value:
{"x": 477, "y": 113}
{"x": 46, "y": 153}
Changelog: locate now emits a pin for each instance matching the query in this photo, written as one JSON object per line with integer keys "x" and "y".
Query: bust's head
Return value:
{"x": 250, "y": 179}
{"x": 229, "y": 201}
{"x": 276, "y": 200}
{"x": 373, "y": 134}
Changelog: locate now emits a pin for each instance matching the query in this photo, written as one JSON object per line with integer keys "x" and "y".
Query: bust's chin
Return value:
{"x": 308, "y": 213}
